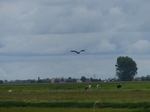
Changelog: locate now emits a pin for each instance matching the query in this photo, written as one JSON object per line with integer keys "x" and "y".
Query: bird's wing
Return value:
{"x": 82, "y": 50}
{"x": 73, "y": 51}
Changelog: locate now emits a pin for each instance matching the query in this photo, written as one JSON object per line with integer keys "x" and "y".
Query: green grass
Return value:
{"x": 36, "y": 109}
{"x": 71, "y": 97}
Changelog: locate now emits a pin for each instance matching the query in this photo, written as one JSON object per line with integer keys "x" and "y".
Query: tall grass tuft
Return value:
{"x": 99, "y": 101}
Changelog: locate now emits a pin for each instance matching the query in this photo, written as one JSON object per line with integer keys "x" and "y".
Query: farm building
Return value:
{"x": 58, "y": 80}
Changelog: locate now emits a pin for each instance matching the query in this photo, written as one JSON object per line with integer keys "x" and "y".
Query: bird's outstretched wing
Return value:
{"x": 82, "y": 50}
{"x": 78, "y": 52}
{"x": 75, "y": 51}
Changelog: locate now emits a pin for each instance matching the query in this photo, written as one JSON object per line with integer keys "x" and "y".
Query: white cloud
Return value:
{"x": 141, "y": 46}
{"x": 103, "y": 46}
{"x": 3, "y": 74}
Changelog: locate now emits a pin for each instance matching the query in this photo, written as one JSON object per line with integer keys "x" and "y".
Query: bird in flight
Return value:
{"x": 78, "y": 52}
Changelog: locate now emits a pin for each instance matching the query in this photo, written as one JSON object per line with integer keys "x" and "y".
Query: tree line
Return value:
{"x": 68, "y": 80}
{"x": 48, "y": 80}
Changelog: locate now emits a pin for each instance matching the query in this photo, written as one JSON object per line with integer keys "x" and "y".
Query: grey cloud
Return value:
{"x": 73, "y": 22}
{"x": 34, "y": 31}
{"x": 61, "y": 18}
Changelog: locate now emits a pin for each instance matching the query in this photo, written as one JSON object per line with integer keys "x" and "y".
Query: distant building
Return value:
{"x": 58, "y": 80}
{"x": 79, "y": 81}
{"x": 88, "y": 80}
{"x": 53, "y": 80}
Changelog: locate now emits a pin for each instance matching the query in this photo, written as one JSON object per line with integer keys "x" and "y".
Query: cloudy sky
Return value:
{"x": 36, "y": 37}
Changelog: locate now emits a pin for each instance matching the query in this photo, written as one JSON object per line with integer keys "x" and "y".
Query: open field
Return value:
{"x": 71, "y": 97}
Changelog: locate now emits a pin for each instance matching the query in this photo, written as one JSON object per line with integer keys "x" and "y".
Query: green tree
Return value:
{"x": 83, "y": 78}
{"x": 126, "y": 68}
{"x": 1, "y": 81}
{"x": 148, "y": 77}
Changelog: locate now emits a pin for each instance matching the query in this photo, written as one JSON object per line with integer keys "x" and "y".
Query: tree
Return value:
{"x": 1, "y": 81}
{"x": 148, "y": 77}
{"x": 126, "y": 68}
{"x": 71, "y": 80}
{"x": 83, "y": 78}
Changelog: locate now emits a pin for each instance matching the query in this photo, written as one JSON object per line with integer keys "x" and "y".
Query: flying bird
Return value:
{"x": 78, "y": 52}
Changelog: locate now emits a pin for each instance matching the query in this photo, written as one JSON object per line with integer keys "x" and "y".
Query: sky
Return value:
{"x": 36, "y": 37}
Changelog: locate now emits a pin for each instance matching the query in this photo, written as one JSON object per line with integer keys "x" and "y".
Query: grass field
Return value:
{"x": 71, "y": 97}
